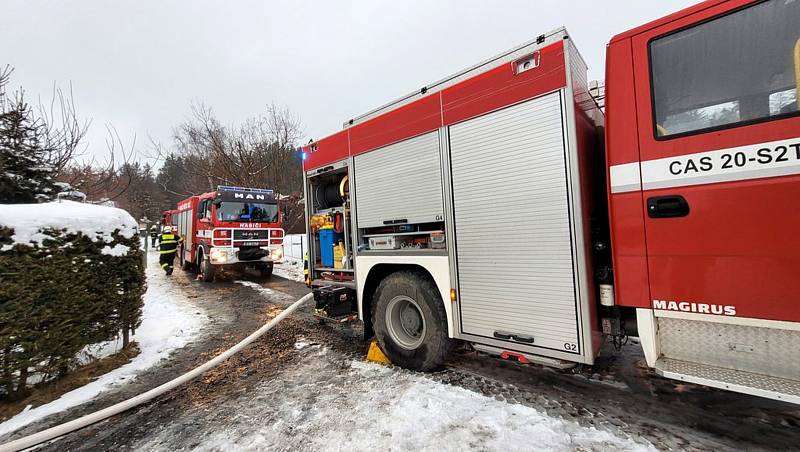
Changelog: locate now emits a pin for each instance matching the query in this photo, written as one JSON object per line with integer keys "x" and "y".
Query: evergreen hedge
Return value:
{"x": 60, "y": 296}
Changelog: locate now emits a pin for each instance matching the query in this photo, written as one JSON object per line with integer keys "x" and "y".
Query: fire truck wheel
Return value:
{"x": 206, "y": 269}
{"x": 265, "y": 270}
{"x": 410, "y": 322}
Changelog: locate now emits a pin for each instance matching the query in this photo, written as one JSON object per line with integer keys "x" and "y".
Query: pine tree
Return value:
{"x": 25, "y": 176}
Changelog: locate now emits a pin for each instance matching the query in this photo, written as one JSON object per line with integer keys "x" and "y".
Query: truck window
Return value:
{"x": 247, "y": 211}
{"x": 735, "y": 69}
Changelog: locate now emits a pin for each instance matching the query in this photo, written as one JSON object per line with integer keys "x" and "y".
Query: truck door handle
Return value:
{"x": 503, "y": 335}
{"x": 669, "y": 206}
{"x": 524, "y": 339}
{"x": 513, "y": 336}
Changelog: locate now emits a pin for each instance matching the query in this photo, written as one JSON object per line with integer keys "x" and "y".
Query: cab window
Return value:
{"x": 739, "y": 68}
{"x": 204, "y": 209}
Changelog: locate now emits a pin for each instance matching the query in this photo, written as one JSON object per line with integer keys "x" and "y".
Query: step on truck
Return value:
{"x": 517, "y": 207}
{"x": 231, "y": 227}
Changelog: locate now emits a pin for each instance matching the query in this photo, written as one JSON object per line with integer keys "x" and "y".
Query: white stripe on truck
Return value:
{"x": 625, "y": 178}
{"x": 756, "y": 161}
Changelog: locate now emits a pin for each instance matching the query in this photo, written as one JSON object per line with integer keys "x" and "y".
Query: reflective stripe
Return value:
{"x": 167, "y": 251}
{"x": 164, "y": 265}
{"x": 163, "y": 242}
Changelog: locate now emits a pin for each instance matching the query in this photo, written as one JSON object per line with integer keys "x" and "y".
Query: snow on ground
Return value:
{"x": 330, "y": 402}
{"x": 97, "y": 222}
{"x": 291, "y": 269}
{"x": 274, "y": 296}
{"x": 169, "y": 322}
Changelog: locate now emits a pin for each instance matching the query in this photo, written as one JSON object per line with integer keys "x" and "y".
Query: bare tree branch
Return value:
{"x": 63, "y": 131}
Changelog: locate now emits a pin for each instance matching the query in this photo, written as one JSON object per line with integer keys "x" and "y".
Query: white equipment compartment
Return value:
{"x": 513, "y": 232}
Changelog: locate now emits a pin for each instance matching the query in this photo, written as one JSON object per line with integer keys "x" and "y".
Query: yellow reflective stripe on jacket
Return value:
{"x": 167, "y": 251}
{"x": 168, "y": 241}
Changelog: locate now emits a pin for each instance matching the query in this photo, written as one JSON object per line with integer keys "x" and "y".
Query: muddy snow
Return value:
{"x": 332, "y": 402}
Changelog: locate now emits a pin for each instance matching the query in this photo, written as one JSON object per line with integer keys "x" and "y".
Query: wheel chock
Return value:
{"x": 376, "y": 355}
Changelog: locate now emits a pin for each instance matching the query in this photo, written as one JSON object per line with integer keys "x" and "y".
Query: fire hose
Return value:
{"x": 97, "y": 416}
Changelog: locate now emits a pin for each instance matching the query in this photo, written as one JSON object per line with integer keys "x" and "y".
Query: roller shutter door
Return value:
{"x": 402, "y": 181}
{"x": 513, "y": 236}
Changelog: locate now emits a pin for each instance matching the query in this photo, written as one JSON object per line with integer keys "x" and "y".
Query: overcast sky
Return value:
{"x": 140, "y": 64}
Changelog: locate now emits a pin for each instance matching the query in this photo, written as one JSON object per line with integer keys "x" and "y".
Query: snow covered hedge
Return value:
{"x": 71, "y": 275}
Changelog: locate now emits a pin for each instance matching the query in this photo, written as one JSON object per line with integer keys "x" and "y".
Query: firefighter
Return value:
{"x": 153, "y": 235}
{"x": 167, "y": 247}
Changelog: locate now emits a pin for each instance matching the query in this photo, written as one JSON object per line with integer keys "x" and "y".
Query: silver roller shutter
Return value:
{"x": 513, "y": 239}
{"x": 400, "y": 181}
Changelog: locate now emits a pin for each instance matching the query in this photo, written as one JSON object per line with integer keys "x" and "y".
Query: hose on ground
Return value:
{"x": 97, "y": 416}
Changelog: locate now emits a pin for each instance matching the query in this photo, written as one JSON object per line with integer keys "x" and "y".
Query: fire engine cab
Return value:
{"x": 167, "y": 218}
{"x": 233, "y": 227}
{"x": 505, "y": 207}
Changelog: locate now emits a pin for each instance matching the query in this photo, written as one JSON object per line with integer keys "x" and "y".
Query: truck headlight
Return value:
{"x": 277, "y": 253}
{"x": 218, "y": 255}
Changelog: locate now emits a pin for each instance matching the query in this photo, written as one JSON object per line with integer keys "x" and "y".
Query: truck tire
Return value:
{"x": 265, "y": 270}
{"x": 206, "y": 269}
{"x": 410, "y": 322}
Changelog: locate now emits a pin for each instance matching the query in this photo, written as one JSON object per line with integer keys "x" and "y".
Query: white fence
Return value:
{"x": 295, "y": 246}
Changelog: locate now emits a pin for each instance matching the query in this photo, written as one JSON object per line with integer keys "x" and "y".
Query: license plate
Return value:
{"x": 250, "y": 244}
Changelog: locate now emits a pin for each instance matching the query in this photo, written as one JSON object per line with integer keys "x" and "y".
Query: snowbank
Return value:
{"x": 96, "y": 222}
{"x": 169, "y": 322}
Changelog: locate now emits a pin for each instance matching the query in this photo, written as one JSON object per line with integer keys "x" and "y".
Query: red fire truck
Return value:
{"x": 506, "y": 207}
{"x": 167, "y": 218}
{"x": 233, "y": 227}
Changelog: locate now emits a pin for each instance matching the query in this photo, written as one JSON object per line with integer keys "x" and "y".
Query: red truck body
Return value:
{"x": 168, "y": 217}
{"x": 671, "y": 214}
{"x": 733, "y": 253}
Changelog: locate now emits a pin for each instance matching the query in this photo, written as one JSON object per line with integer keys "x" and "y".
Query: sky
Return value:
{"x": 139, "y": 65}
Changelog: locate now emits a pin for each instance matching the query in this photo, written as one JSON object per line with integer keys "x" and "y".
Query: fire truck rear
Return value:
{"x": 502, "y": 207}
{"x": 232, "y": 227}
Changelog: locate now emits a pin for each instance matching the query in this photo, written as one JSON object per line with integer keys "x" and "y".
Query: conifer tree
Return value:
{"x": 25, "y": 175}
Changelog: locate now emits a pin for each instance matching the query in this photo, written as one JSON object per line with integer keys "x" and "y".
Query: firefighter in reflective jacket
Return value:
{"x": 167, "y": 247}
